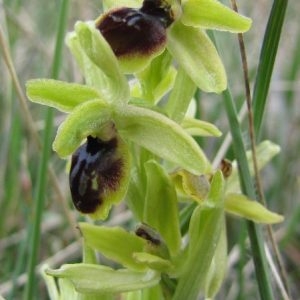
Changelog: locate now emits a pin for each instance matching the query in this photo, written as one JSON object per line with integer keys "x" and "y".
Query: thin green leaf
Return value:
{"x": 34, "y": 235}
{"x": 161, "y": 206}
{"x": 267, "y": 60}
{"x": 161, "y": 136}
{"x": 59, "y": 94}
{"x": 197, "y": 55}
{"x": 255, "y": 235}
{"x": 114, "y": 243}
{"x": 212, "y": 14}
{"x": 95, "y": 279}
{"x": 86, "y": 119}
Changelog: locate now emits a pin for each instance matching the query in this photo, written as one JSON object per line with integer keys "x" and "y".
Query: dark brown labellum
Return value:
{"x": 130, "y": 32}
{"x": 95, "y": 171}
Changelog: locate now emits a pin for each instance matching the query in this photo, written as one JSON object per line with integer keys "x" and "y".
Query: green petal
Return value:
{"x": 58, "y": 94}
{"x": 197, "y": 55}
{"x": 95, "y": 279}
{"x": 86, "y": 119}
{"x": 161, "y": 136}
{"x": 161, "y": 206}
{"x": 200, "y": 128}
{"x": 115, "y": 243}
{"x": 212, "y": 14}
{"x": 242, "y": 206}
{"x": 98, "y": 50}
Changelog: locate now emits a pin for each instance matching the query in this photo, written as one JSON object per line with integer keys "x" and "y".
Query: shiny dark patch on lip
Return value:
{"x": 130, "y": 31}
{"x": 95, "y": 170}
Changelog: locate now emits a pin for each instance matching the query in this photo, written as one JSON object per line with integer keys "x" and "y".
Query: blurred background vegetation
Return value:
{"x": 29, "y": 29}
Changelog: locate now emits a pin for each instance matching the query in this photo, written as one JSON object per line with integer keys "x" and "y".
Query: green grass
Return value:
{"x": 30, "y": 29}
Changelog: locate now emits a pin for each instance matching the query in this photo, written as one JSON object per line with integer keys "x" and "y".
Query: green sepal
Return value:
{"x": 93, "y": 76}
{"x": 160, "y": 136}
{"x": 67, "y": 290}
{"x": 154, "y": 262}
{"x": 212, "y": 14}
{"x": 204, "y": 232}
{"x": 242, "y": 206}
{"x": 59, "y": 94}
{"x": 51, "y": 284}
{"x": 115, "y": 243}
{"x": 200, "y": 128}
{"x": 161, "y": 206}
{"x": 197, "y": 55}
{"x": 95, "y": 279}
{"x": 86, "y": 119}
{"x": 99, "y": 51}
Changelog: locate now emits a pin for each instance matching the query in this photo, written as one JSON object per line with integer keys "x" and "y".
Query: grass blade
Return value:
{"x": 259, "y": 257}
{"x": 34, "y": 235}
{"x": 266, "y": 62}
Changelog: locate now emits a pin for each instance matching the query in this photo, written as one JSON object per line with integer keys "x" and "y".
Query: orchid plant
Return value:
{"x": 130, "y": 139}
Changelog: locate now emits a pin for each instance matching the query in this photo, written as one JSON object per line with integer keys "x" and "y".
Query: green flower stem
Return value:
{"x": 42, "y": 172}
{"x": 261, "y": 268}
{"x": 267, "y": 59}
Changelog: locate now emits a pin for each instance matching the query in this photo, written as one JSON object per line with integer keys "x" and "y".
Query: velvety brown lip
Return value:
{"x": 131, "y": 31}
{"x": 94, "y": 170}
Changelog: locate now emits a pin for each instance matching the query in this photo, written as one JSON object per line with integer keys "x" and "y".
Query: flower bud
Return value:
{"x": 225, "y": 167}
